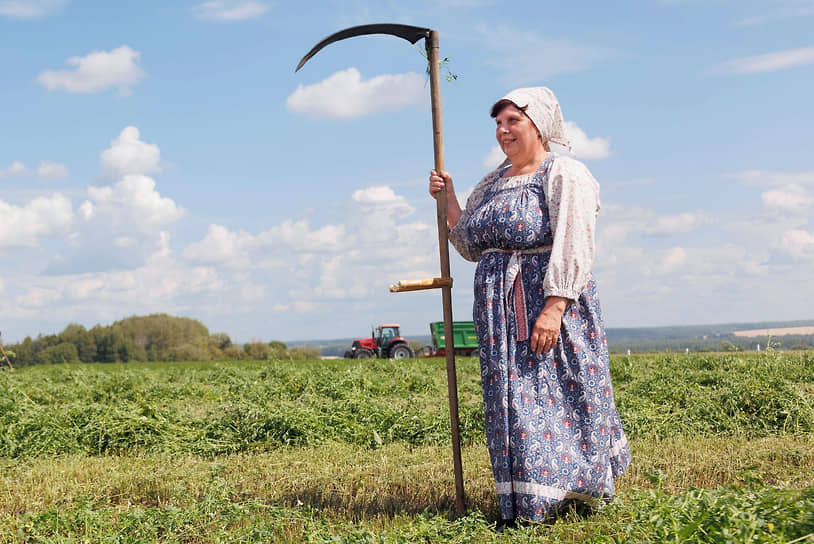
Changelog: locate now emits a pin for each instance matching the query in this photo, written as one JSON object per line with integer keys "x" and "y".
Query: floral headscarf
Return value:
{"x": 544, "y": 111}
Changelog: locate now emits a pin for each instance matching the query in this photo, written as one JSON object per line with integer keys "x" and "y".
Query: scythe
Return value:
{"x": 413, "y": 34}
{"x": 4, "y": 356}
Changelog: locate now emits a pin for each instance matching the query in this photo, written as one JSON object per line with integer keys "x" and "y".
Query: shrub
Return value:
{"x": 257, "y": 350}
{"x": 304, "y": 352}
{"x": 233, "y": 353}
{"x": 279, "y": 351}
{"x": 189, "y": 352}
{"x": 59, "y": 354}
{"x": 220, "y": 340}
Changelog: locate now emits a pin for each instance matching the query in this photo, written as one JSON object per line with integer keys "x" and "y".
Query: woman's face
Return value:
{"x": 516, "y": 134}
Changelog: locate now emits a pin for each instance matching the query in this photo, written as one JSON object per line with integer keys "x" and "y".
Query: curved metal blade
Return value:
{"x": 410, "y": 33}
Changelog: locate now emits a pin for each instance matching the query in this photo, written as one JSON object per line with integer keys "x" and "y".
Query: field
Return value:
{"x": 358, "y": 451}
{"x": 754, "y": 333}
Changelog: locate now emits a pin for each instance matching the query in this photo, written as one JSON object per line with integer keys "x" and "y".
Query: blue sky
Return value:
{"x": 165, "y": 157}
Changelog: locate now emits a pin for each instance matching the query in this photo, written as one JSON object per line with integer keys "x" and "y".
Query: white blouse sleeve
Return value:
{"x": 572, "y": 195}
{"x": 457, "y": 234}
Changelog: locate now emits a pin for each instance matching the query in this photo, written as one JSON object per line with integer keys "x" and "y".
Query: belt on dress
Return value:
{"x": 513, "y": 285}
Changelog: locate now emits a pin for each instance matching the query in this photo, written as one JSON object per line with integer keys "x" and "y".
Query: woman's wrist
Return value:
{"x": 556, "y": 304}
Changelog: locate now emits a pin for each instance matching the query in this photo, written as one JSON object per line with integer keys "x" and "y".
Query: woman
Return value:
{"x": 552, "y": 427}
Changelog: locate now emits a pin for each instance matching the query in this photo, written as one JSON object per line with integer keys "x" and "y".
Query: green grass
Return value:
{"x": 358, "y": 451}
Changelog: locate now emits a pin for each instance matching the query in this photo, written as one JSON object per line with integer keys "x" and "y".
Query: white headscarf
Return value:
{"x": 544, "y": 111}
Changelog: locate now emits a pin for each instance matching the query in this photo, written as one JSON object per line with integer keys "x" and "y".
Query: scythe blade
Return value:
{"x": 410, "y": 33}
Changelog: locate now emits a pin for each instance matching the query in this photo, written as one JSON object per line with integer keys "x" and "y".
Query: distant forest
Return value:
{"x": 646, "y": 339}
{"x": 157, "y": 337}
{"x": 161, "y": 337}
{"x": 719, "y": 337}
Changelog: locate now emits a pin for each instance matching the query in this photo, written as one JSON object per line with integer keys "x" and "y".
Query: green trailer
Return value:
{"x": 464, "y": 339}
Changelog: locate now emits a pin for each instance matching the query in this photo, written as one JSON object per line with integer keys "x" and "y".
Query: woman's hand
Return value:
{"x": 439, "y": 181}
{"x": 546, "y": 330}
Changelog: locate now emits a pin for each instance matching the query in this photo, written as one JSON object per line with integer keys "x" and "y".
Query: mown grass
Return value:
{"x": 348, "y": 451}
{"x": 218, "y": 408}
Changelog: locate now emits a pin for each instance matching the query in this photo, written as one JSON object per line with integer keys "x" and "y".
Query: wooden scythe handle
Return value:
{"x": 443, "y": 247}
{"x": 8, "y": 362}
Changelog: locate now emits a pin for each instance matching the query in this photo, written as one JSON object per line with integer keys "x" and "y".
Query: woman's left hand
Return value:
{"x": 546, "y": 330}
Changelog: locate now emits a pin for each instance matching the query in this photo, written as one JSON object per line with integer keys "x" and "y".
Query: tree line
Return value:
{"x": 156, "y": 337}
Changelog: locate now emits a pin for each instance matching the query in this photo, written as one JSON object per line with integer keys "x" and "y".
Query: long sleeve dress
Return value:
{"x": 552, "y": 427}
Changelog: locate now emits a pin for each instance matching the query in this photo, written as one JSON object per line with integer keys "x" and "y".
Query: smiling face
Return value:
{"x": 516, "y": 134}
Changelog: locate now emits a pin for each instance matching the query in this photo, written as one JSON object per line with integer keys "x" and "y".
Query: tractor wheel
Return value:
{"x": 348, "y": 354}
{"x": 363, "y": 354}
{"x": 401, "y": 351}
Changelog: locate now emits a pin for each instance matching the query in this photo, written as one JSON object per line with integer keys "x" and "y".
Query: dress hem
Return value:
{"x": 540, "y": 490}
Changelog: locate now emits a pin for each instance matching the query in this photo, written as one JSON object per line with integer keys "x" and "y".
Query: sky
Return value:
{"x": 165, "y": 157}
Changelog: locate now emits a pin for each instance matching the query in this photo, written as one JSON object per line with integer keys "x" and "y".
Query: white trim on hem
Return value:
{"x": 618, "y": 447}
{"x": 529, "y": 488}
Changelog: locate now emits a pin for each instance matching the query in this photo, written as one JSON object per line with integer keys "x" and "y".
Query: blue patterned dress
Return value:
{"x": 552, "y": 427}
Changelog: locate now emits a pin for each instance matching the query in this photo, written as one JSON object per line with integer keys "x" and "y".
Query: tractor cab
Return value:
{"x": 385, "y": 334}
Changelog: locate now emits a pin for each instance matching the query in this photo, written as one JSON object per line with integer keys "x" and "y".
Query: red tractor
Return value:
{"x": 385, "y": 342}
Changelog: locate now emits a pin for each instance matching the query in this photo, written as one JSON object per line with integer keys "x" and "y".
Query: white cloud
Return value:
{"x": 23, "y": 226}
{"x": 160, "y": 284}
{"x": 134, "y": 201}
{"x": 338, "y": 280}
{"x": 230, "y": 10}
{"x": 529, "y": 57}
{"x": 15, "y": 169}
{"x": 381, "y": 195}
{"x": 673, "y": 260}
{"x": 791, "y": 199}
{"x": 670, "y": 281}
{"x": 381, "y": 211}
{"x": 740, "y": 258}
{"x": 39, "y": 298}
{"x": 222, "y": 246}
{"x": 772, "y": 178}
{"x": 345, "y": 95}
{"x": 380, "y": 240}
{"x": 672, "y": 224}
{"x": 798, "y": 244}
{"x": 240, "y": 249}
{"x": 629, "y": 240}
{"x": 298, "y": 306}
{"x": 753, "y": 20}
{"x": 305, "y": 306}
{"x": 129, "y": 155}
{"x": 585, "y": 147}
{"x": 86, "y": 210}
{"x": 126, "y": 217}
{"x": 297, "y": 235}
{"x": 124, "y": 241}
{"x": 642, "y": 181}
{"x": 97, "y": 72}
{"x": 30, "y": 9}
{"x": 49, "y": 170}
{"x": 769, "y": 62}
{"x": 777, "y": 14}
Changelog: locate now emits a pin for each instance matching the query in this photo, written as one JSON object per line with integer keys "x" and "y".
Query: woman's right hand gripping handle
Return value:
{"x": 438, "y": 181}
